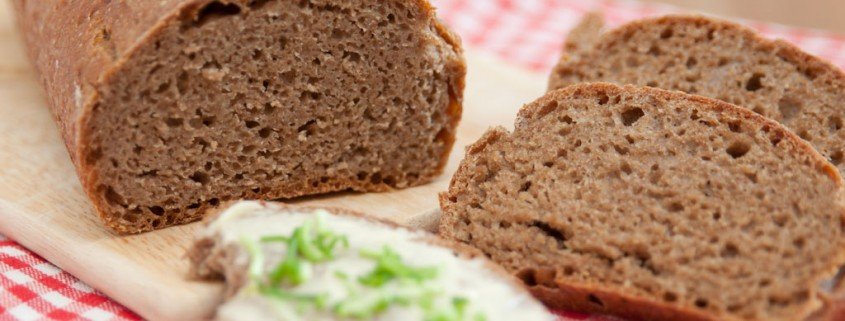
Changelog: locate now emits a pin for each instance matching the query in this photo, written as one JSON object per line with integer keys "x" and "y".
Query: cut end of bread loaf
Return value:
{"x": 652, "y": 205}
{"x": 716, "y": 59}
{"x": 270, "y": 99}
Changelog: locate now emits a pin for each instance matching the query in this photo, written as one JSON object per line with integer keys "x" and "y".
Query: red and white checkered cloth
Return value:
{"x": 527, "y": 33}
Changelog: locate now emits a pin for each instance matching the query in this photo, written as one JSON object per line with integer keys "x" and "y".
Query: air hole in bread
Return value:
{"x": 805, "y": 135}
{"x": 562, "y": 153}
{"x": 631, "y": 116}
{"x": 735, "y": 126}
{"x": 568, "y": 270}
{"x": 308, "y": 128}
{"x": 701, "y": 303}
{"x": 375, "y": 178}
{"x": 654, "y": 51}
{"x": 525, "y": 187}
{"x": 670, "y": 297}
{"x": 691, "y": 62}
{"x": 603, "y": 99}
{"x": 675, "y": 207}
{"x": 626, "y": 168}
{"x": 799, "y": 242}
{"x": 131, "y": 217}
{"x": 215, "y": 10}
{"x": 717, "y": 216}
{"x": 174, "y": 122}
{"x": 113, "y": 198}
{"x": 836, "y": 157}
{"x": 738, "y": 149}
{"x": 835, "y": 123}
{"x": 790, "y": 107}
{"x": 564, "y": 131}
{"x": 265, "y": 132}
{"x": 527, "y": 276}
{"x": 351, "y": 56}
{"x": 549, "y": 231}
{"x": 752, "y": 176}
{"x": 200, "y": 177}
{"x": 754, "y": 83}
{"x": 730, "y": 250}
{"x": 157, "y": 210}
{"x": 667, "y": 33}
{"x": 251, "y": 124}
{"x": 620, "y": 149}
{"x": 595, "y": 300}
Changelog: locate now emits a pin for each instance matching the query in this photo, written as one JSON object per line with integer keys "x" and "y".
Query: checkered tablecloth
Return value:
{"x": 526, "y": 33}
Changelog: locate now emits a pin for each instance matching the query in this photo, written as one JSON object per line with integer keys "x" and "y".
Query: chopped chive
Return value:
{"x": 311, "y": 243}
{"x": 274, "y": 239}
{"x": 256, "y": 258}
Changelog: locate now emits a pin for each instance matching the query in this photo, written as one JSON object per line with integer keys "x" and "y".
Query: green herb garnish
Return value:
{"x": 389, "y": 267}
{"x": 256, "y": 258}
{"x": 391, "y": 282}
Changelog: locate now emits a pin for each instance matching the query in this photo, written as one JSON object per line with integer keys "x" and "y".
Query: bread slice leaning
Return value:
{"x": 461, "y": 284}
{"x": 653, "y": 205}
{"x": 716, "y": 59}
{"x": 169, "y": 108}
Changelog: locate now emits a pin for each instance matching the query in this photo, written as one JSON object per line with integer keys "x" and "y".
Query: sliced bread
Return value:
{"x": 171, "y": 107}
{"x": 716, "y": 59}
{"x": 653, "y": 205}
{"x": 349, "y": 267}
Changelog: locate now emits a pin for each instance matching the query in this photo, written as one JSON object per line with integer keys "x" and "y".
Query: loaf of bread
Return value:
{"x": 654, "y": 205}
{"x": 715, "y": 59}
{"x": 295, "y": 263}
{"x": 171, "y": 107}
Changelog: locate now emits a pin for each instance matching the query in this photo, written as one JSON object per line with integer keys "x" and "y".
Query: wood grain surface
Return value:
{"x": 42, "y": 205}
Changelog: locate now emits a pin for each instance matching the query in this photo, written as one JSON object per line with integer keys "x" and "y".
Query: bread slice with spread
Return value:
{"x": 298, "y": 263}
{"x": 654, "y": 205}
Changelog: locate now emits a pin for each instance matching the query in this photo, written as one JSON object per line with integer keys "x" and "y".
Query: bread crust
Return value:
{"x": 594, "y": 298}
{"x": 79, "y": 48}
{"x": 803, "y": 61}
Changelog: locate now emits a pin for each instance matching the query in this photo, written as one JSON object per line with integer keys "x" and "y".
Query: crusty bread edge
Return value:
{"x": 457, "y": 70}
{"x": 577, "y": 297}
{"x": 803, "y": 61}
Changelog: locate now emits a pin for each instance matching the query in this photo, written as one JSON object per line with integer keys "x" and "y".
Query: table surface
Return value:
{"x": 32, "y": 289}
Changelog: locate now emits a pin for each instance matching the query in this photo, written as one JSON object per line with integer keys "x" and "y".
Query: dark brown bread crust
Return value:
{"x": 80, "y": 48}
{"x": 564, "y": 294}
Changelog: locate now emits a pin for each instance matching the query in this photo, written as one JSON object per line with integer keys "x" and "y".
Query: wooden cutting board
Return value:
{"x": 42, "y": 205}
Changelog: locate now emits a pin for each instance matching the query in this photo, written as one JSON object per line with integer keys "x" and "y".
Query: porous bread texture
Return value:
{"x": 716, "y": 59}
{"x": 653, "y": 205}
{"x": 209, "y": 101}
